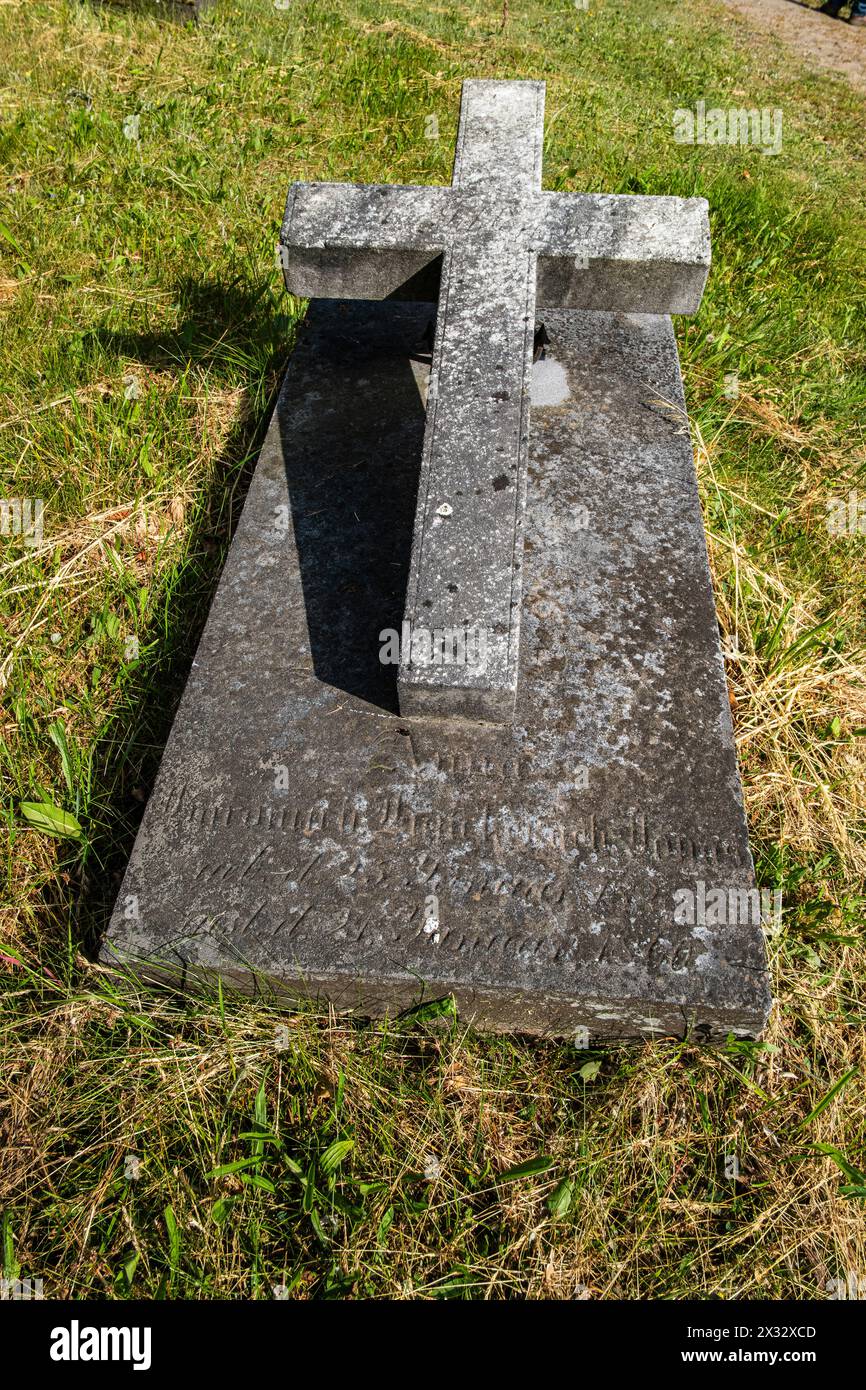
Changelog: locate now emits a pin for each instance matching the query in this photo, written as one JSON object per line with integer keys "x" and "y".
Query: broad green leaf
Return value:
{"x": 44, "y": 816}
{"x": 126, "y": 1273}
{"x": 316, "y": 1223}
{"x": 384, "y": 1226}
{"x": 57, "y": 734}
{"x": 232, "y": 1167}
{"x": 527, "y": 1170}
{"x": 437, "y": 1008}
{"x": 256, "y": 1180}
{"x": 335, "y": 1153}
{"x": 559, "y": 1203}
{"x": 261, "y": 1105}
{"x": 173, "y": 1236}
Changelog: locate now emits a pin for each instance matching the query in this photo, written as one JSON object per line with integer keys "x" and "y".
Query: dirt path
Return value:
{"x": 820, "y": 41}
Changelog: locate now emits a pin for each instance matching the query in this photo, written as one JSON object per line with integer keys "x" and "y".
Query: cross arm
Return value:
{"x": 360, "y": 241}
{"x": 638, "y": 255}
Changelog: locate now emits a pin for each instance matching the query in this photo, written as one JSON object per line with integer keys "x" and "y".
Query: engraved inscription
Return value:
{"x": 501, "y": 827}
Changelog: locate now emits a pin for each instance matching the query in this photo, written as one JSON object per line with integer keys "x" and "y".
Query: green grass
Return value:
{"x": 144, "y": 332}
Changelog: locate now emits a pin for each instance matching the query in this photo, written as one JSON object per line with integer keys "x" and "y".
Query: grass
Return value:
{"x": 217, "y": 1148}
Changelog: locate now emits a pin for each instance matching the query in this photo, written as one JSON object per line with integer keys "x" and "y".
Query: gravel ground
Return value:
{"x": 823, "y": 42}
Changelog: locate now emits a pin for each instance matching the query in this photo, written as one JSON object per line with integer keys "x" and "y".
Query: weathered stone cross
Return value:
{"x": 505, "y": 246}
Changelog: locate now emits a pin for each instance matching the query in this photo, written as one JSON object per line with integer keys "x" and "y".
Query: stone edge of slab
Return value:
{"x": 486, "y": 1010}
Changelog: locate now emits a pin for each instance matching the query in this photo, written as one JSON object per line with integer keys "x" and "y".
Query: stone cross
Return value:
{"x": 506, "y": 247}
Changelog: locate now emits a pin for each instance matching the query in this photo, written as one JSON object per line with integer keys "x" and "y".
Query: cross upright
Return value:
{"x": 506, "y": 246}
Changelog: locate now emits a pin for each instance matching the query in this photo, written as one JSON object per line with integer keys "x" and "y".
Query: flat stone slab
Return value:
{"x": 304, "y": 833}
{"x": 173, "y": 9}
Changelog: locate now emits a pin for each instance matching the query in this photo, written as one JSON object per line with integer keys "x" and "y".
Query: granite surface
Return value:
{"x": 305, "y": 834}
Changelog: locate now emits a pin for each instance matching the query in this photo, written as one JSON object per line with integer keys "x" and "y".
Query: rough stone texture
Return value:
{"x": 173, "y": 9}
{"x": 499, "y": 239}
{"x": 303, "y": 830}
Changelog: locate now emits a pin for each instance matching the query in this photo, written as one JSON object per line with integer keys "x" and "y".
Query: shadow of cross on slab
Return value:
{"x": 505, "y": 246}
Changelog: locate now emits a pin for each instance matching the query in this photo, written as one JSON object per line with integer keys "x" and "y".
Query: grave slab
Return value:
{"x": 171, "y": 9}
{"x": 305, "y": 836}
